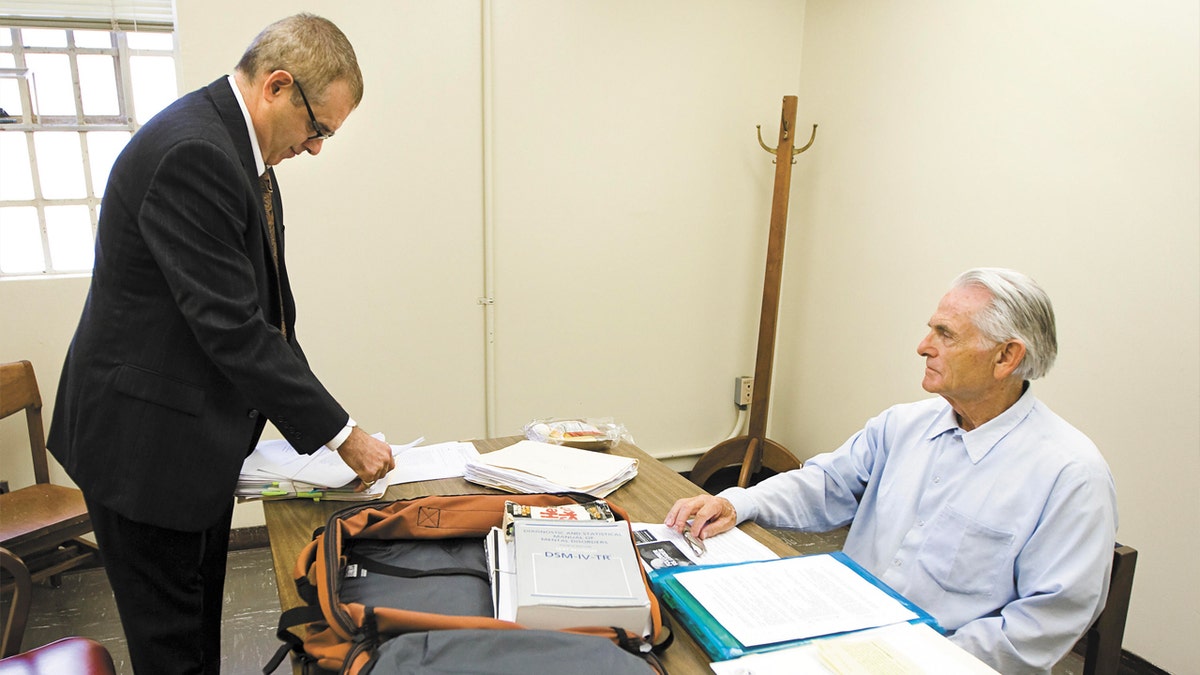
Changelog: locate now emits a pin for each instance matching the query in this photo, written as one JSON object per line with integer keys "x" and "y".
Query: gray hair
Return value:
{"x": 312, "y": 49}
{"x": 1019, "y": 310}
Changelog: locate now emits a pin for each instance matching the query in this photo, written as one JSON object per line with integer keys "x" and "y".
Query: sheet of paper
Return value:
{"x": 274, "y": 451}
{"x": 791, "y": 599}
{"x": 502, "y": 567}
{"x": 731, "y": 546}
{"x": 911, "y": 649}
{"x": 324, "y": 468}
{"x": 430, "y": 462}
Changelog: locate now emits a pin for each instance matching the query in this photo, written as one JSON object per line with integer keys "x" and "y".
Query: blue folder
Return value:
{"x": 719, "y": 643}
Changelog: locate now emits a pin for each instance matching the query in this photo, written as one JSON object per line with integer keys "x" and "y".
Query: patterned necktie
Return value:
{"x": 264, "y": 183}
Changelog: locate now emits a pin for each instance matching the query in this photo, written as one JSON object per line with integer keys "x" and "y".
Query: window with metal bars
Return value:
{"x": 70, "y": 99}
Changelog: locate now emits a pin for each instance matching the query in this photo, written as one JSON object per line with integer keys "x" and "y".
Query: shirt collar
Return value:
{"x": 980, "y": 441}
{"x": 259, "y": 165}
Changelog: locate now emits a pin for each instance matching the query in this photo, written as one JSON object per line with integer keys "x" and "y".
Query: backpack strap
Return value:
{"x": 365, "y": 643}
{"x": 626, "y": 641}
{"x": 296, "y": 616}
{"x": 378, "y": 567}
{"x": 655, "y": 663}
{"x": 661, "y": 646}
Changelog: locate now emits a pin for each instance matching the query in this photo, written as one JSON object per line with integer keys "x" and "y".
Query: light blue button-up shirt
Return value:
{"x": 1004, "y": 533}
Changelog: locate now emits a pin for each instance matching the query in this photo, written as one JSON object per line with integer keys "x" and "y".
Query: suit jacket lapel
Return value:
{"x": 231, "y": 115}
{"x": 235, "y": 124}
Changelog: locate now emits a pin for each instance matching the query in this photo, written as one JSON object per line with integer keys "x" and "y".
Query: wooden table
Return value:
{"x": 647, "y": 498}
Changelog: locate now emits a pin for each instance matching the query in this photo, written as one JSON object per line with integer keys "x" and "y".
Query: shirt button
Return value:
{"x": 920, "y": 523}
{"x": 252, "y": 414}
{"x": 937, "y": 479}
{"x": 896, "y": 562}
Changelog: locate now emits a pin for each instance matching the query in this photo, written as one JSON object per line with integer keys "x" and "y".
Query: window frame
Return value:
{"x": 32, "y": 121}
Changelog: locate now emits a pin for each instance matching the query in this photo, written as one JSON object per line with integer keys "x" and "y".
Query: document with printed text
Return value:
{"x": 791, "y": 599}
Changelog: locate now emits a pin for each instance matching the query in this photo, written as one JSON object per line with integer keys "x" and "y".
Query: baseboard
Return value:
{"x": 243, "y": 538}
{"x": 240, "y": 539}
{"x": 1131, "y": 664}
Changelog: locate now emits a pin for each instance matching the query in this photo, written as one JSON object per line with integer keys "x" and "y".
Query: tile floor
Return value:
{"x": 84, "y": 606}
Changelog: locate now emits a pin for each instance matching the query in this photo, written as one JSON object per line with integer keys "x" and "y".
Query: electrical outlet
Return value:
{"x": 743, "y": 389}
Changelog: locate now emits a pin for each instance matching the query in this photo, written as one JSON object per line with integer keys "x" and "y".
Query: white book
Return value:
{"x": 578, "y": 574}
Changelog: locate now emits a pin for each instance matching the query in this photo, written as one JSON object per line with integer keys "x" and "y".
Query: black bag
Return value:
{"x": 503, "y": 652}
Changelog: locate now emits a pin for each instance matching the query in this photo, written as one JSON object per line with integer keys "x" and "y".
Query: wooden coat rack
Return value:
{"x": 754, "y": 450}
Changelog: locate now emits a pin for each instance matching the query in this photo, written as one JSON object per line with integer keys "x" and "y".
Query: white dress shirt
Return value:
{"x": 1004, "y": 533}
{"x": 260, "y": 167}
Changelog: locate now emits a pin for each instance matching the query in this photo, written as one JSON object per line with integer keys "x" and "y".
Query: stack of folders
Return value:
{"x": 744, "y": 608}
{"x": 556, "y": 574}
{"x": 275, "y": 470}
{"x": 530, "y": 467}
{"x": 897, "y": 649}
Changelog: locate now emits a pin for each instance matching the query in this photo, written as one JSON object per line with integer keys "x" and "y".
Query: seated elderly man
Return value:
{"x": 982, "y": 506}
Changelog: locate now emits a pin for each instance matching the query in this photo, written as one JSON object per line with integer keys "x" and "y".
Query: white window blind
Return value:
{"x": 129, "y": 15}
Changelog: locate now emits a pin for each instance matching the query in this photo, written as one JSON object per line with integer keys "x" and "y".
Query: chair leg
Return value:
{"x": 18, "y": 614}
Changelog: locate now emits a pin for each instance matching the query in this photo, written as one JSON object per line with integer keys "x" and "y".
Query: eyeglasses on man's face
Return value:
{"x": 321, "y": 131}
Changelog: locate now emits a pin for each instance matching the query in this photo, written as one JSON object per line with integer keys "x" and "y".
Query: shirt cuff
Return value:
{"x": 336, "y": 441}
{"x": 743, "y": 504}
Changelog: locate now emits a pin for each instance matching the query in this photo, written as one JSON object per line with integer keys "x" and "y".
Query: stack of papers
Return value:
{"x": 430, "y": 462}
{"x": 275, "y": 470}
{"x": 530, "y": 467}
{"x": 901, "y": 648}
{"x": 734, "y": 610}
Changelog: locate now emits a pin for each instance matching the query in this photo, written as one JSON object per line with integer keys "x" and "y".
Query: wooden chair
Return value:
{"x": 41, "y": 525}
{"x": 74, "y": 655}
{"x": 1102, "y": 654}
{"x": 18, "y": 611}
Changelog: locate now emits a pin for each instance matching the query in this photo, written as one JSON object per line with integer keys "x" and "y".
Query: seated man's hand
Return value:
{"x": 370, "y": 457}
{"x": 709, "y": 515}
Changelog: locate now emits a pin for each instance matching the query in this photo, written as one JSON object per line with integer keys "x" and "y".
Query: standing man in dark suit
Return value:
{"x": 187, "y": 341}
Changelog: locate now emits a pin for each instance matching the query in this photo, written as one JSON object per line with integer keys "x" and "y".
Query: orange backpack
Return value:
{"x": 343, "y": 634}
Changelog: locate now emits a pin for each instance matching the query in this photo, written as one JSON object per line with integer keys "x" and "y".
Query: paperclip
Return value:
{"x": 696, "y": 545}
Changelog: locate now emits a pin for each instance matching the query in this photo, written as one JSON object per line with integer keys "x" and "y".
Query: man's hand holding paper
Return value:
{"x": 370, "y": 457}
{"x": 708, "y": 515}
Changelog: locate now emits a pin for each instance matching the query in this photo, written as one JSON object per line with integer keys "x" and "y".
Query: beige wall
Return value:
{"x": 629, "y": 202}
{"x": 1058, "y": 138}
{"x": 627, "y": 196}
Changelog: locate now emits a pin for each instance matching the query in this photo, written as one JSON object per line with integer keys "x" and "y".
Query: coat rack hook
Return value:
{"x": 795, "y": 151}
{"x": 760, "y": 140}
{"x": 806, "y": 145}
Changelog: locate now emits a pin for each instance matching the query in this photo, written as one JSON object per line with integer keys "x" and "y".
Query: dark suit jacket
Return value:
{"x": 178, "y": 355}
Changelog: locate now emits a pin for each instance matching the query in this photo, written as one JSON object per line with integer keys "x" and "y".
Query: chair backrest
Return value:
{"x": 19, "y": 391}
{"x": 74, "y": 655}
{"x": 1103, "y": 654}
{"x": 41, "y": 524}
{"x": 18, "y": 612}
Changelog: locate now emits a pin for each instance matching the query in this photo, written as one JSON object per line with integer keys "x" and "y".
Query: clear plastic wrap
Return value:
{"x": 587, "y": 434}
